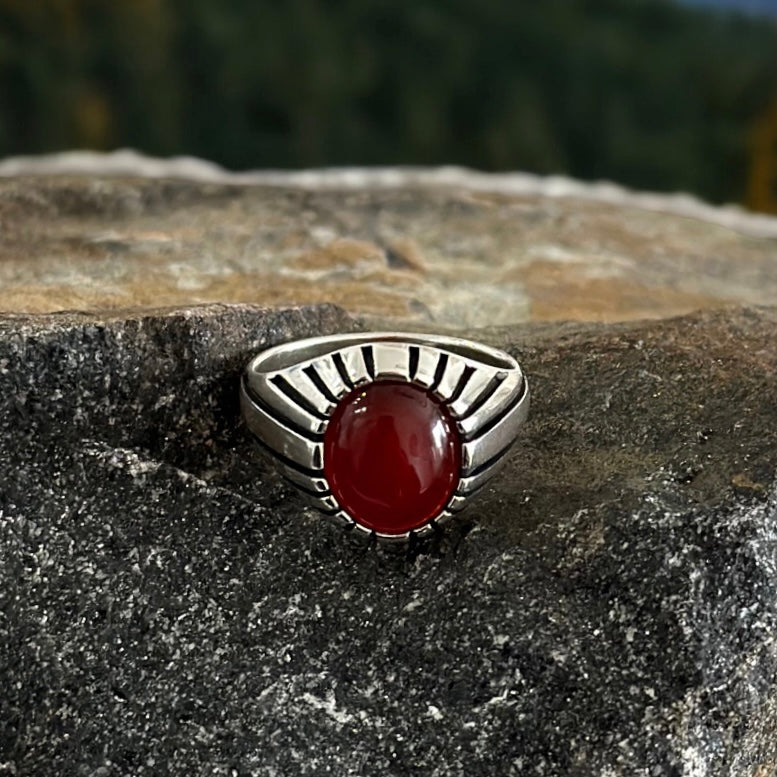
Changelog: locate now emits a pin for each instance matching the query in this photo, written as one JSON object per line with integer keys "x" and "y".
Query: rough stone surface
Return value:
{"x": 445, "y": 255}
{"x": 608, "y": 608}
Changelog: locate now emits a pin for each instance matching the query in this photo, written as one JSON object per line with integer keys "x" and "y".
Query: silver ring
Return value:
{"x": 388, "y": 433}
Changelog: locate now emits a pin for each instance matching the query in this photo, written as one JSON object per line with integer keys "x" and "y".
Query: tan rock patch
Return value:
{"x": 564, "y": 291}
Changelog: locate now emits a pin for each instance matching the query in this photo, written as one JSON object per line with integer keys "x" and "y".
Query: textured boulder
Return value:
{"x": 607, "y": 608}
{"x": 415, "y": 250}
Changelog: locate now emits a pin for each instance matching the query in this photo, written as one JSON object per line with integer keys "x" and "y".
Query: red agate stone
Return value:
{"x": 392, "y": 456}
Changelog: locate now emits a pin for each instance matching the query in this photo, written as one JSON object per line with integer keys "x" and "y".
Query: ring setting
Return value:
{"x": 388, "y": 433}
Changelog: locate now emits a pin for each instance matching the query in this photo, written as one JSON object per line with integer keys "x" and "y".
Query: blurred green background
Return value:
{"x": 647, "y": 93}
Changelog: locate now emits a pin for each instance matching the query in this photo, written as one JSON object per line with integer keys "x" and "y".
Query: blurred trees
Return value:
{"x": 762, "y": 189}
{"x": 643, "y": 92}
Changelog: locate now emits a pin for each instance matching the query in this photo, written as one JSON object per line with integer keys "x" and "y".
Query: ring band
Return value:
{"x": 389, "y": 433}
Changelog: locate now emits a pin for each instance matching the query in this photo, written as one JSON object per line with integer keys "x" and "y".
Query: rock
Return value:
{"x": 458, "y": 251}
{"x": 607, "y": 608}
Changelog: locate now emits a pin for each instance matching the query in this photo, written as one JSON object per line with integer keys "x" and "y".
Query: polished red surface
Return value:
{"x": 392, "y": 456}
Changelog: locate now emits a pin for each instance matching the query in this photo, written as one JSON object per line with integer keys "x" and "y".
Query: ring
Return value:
{"x": 389, "y": 433}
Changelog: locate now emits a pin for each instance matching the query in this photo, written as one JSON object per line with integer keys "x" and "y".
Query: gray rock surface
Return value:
{"x": 608, "y": 608}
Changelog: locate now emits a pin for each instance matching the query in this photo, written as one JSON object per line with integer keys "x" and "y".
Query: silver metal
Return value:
{"x": 289, "y": 392}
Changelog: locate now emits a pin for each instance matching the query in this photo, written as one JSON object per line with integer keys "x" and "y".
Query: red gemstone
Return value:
{"x": 392, "y": 456}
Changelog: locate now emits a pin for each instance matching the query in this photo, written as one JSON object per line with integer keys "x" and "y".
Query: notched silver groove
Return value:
{"x": 296, "y": 396}
{"x": 342, "y": 369}
{"x": 439, "y": 373}
{"x": 485, "y": 395}
{"x": 319, "y": 383}
{"x": 462, "y": 384}
{"x": 369, "y": 360}
{"x": 412, "y": 361}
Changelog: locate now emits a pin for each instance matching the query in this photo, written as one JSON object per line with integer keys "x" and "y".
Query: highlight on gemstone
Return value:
{"x": 392, "y": 456}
